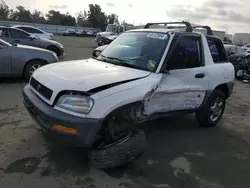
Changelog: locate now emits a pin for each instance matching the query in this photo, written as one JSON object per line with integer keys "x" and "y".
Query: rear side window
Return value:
{"x": 18, "y": 34}
{"x": 217, "y": 50}
{"x": 30, "y": 30}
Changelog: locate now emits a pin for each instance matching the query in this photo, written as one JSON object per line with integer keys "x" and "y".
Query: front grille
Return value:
{"x": 40, "y": 88}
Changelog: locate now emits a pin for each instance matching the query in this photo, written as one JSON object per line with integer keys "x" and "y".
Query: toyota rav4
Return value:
{"x": 142, "y": 75}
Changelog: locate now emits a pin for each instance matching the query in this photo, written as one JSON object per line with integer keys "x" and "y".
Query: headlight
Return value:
{"x": 75, "y": 103}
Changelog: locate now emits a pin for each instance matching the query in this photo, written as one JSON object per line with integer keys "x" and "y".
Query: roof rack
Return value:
{"x": 209, "y": 30}
{"x": 188, "y": 26}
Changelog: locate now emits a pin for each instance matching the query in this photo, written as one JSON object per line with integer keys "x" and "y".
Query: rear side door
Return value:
{"x": 5, "y": 61}
{"x": 185, "y": 81}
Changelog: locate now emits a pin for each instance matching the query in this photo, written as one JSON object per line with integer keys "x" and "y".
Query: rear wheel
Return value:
{"x": 54, "y": 49}
{"x": 31, "y": 67}
{"x": 212, "y": 111}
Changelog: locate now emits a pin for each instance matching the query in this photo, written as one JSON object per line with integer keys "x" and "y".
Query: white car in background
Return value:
{"x": 35, "y": 31}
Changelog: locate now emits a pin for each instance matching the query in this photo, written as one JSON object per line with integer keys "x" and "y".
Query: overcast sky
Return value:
{"x": 228, "y": 15}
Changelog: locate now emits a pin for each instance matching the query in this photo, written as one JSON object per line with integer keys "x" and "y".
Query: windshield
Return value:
{"x": 141, "y": 50}
{"x": 111, "y": 28}
{"x": 4, "y": 43}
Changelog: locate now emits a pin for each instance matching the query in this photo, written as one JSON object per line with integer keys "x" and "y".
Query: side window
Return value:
{"x": 217, "y": 50}
{"x": 187, "y": 54}
{"x": 18, "y": 34}
{"x": 4, "y": 32}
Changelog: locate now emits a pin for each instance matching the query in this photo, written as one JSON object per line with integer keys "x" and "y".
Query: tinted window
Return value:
{"x": 30, "y": 30}
{"x": 18, "y": 34}
{"x": 217, "y": 50}
{"x": 187, "y": 54}
{"x": 248, "y": 46}
{"x": 4, "y": 32}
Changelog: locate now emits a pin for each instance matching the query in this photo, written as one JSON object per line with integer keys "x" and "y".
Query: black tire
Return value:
{"x": 203, "y": 115}
{"x": 28, "y": 67}
{"x": 120, "y": 153}
{"x": 54, "y": 49}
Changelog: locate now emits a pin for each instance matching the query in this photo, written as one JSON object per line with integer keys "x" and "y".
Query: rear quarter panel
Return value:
{"x": 221, "y": 73}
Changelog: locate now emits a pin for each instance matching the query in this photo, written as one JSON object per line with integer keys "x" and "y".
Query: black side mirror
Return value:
{"x": 96, "y": 53}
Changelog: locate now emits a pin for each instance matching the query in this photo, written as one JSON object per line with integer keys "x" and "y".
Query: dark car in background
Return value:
{"x": 18, "y": 36}
{"x": 237, "y": 56}
{"x": 235, "y": 53}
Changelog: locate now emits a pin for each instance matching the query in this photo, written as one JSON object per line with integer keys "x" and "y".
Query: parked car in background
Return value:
{"x": 80, "y": 33}
{"x": 246, "y": 47}
{"x": 15, "y": 35}
{"x": 69, "y": 32}
{"x": 20, "y": 60}
{"x": 235, "y": 53}
{"x": 35, "y": 31}
{"x": 91, "y": 33}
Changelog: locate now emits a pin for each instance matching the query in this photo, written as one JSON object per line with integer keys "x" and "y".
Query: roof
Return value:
{"x": 22, "y": 26}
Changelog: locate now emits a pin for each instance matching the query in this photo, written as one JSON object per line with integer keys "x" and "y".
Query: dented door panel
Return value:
{"x": 179, "y": 90}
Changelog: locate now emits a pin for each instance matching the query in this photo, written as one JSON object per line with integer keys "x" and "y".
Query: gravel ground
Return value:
{"x": 180, "y": 155}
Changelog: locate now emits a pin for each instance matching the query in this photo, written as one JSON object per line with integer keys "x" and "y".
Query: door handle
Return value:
{"x": 16, "y": 40}
{"x": 200, "y": 75}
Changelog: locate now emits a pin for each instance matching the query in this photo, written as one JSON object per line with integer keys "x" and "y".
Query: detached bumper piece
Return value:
{"x": 70, "y": 129}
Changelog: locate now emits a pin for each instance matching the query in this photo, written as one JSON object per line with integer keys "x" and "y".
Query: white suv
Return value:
{"x": 142, "y": 75}
{"x": 35, "y": 31}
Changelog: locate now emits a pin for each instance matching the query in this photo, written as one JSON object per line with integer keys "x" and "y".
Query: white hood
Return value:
{"x": 83, "y": 75}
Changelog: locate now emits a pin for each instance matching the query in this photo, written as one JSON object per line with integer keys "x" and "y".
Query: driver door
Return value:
{"x": 184, "y": 85}
{"x": 5, "y": 62}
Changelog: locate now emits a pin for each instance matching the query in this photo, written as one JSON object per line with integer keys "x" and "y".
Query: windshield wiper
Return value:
{"x": 122, "y": 62}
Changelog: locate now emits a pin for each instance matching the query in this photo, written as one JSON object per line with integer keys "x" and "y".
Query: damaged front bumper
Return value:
{"x": 70, "y": 129}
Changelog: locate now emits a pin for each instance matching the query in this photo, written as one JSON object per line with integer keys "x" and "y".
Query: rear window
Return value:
{"x": 217, "y": 50}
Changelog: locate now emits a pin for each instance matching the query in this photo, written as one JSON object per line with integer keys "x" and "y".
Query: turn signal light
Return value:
{"x": 64, "y": 129}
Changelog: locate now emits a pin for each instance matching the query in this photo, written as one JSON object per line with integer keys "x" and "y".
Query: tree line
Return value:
{"x": 94, "y": 17}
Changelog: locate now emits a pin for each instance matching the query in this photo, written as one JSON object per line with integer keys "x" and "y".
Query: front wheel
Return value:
{"x": 212, "y": 111}
{"x": 31, "y": 67}
{"x": 120, "y": 152}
